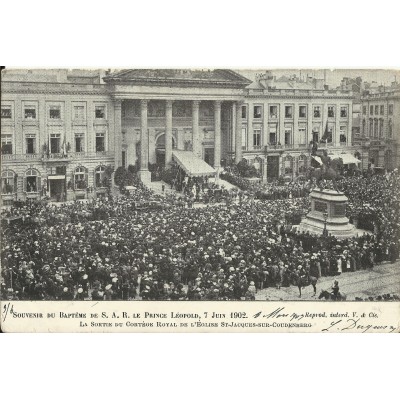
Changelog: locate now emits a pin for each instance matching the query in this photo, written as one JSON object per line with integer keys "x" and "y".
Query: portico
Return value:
{"x": 195, "y": 110}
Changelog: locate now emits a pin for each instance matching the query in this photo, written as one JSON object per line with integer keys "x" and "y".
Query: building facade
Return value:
{"x": 380, "y": 127}
{"x": 64, "y": 131}
{"x": 281, "y": 117}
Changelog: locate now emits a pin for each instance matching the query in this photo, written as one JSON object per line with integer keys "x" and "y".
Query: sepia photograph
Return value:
{"x": 216, "y": 183}
{"x": 200, "y": 185}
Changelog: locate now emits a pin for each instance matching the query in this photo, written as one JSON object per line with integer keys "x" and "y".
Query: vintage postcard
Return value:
{"x": 200, "y": 200}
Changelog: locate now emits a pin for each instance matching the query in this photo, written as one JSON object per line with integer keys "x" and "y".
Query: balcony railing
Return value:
{"x": 56, "y": 156}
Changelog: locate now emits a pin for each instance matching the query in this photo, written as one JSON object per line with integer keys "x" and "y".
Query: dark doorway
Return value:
{"x": 160, "y": 157}
{"x": 272, "y": 167}
{"x": 56, "y": 187}
{"x": 209, "y": 156}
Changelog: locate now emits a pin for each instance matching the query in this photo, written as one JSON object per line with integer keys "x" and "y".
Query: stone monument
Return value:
{"x": 328, "y": 215}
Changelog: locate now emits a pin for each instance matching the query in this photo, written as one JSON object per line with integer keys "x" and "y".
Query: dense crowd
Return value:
{"x": 108, "y": 249}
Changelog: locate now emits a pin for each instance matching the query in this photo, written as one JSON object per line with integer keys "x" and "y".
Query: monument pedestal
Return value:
{"x": 328, "y": 211}
{"x": 145, "y": 176}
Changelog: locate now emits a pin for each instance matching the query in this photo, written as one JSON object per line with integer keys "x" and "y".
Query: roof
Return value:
{"x": 192, "y": 77}
{"x": 192, "y": 165}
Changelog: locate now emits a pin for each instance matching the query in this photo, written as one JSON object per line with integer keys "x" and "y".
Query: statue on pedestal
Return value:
{"x": 327, "y": 171}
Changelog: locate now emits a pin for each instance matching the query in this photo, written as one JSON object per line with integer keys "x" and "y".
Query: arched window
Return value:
{"x": 302, "y": 164}
{"x": 80, "y": 178}
{"x": 32, "y": 181}
{"x": 100, "y": 176}
{"x": 8, "y": 182}
{"x": 288, "y": 165}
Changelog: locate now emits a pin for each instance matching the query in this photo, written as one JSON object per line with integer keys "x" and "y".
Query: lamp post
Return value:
{"x": 325, "y": 231}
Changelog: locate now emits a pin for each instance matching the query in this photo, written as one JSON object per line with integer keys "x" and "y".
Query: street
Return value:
{"x": 382, "y": 279}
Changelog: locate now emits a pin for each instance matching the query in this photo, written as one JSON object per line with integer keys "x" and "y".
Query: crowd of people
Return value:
{"x": 107, "y": 249}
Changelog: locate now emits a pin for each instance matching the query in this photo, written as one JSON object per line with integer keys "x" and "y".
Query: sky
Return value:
{"x": 333, "y": 77}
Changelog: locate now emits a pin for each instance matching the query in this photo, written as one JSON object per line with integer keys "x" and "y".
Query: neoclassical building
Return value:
{"x": 63, "y": 131}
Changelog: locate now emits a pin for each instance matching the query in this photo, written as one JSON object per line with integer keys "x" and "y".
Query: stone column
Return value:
{"x": 310, "y": 117}
{"x": 217, "y": 134}
{"x": 168, "y": 132}
{"x": 281, "y": 129}
{"x": 238, "y": 133}
{"x": 144, "y": 172}
{"x": 250, "y": 115}
{"x": 337, "y": 125}
{"x": 196, "y": 144}
{"x": 117, "y": 134}
{"x": 295, "y": 131}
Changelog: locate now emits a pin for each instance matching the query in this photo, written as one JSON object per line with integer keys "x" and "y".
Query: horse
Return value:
{"x": 301, "y": 281}
{"x": 330, "y": 171}
{"x": 326, "y": 295}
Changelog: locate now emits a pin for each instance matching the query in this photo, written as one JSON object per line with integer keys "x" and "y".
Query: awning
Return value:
{"x": 51, "y": 177}
{"x": 346, "y": 157}
{"x": 317, "y": 159}
{"x": 191, "y": 164}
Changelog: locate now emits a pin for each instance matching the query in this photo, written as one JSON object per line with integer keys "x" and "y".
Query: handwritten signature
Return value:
{"x": 355, "y": 325}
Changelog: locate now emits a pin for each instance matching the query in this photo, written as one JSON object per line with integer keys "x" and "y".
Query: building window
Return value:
{"x": 376, "y": 110}
{"x": 55, "y": 112}
{"x": 317, "y": 112}
{"x": 364, "y": 127}
{"x": 257, "y": 111}
{"x": 375, "y": 127}
{"x": 30, "y": 144}
{"x": 100, "y": 112}
{"x": 381, "y": 127}
{"x": 244, "y": 138}
{"x": 6, "y": 144}
{"x": 343, "y": 112}
{"x": 79, "y": 113}
{"x": 8, "y": 184}
{"x": 302, "y": 164}
{"x": 100, "y": 176}
{"x": 30, "y": 112}
{"x": 100, "y": 142}
{"x": 343, "y": 134}
{"x": 382, "y": 109}
{"x": 390, "y": 128}
{"x": 288, "y": 111}
{"x": 32, "y": 181}
{"x": 257, "y": 139}
{"x": 288, "y": 165}
{"x": 364, "y": 110}
{"x": 244, "y": 112}
{"x": 288, "y": 136}
{"x": 6, "y": 112}
{"x": 273, "y": 111}
{"x": 79, "y": 142}
{"x": 55, "y": 139}
{"x": 315, "y": 134}
{"x": 302, "y": 111}
{"x": 80, "y": 178}
{"x": 390, "y": 109}
{"x": 331, "y": 112}
{"x": 302, "y": 135}
{"x": 272, "y": 135}
{"x": 371, "y": 127}
{"x": 371, "y": 110}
